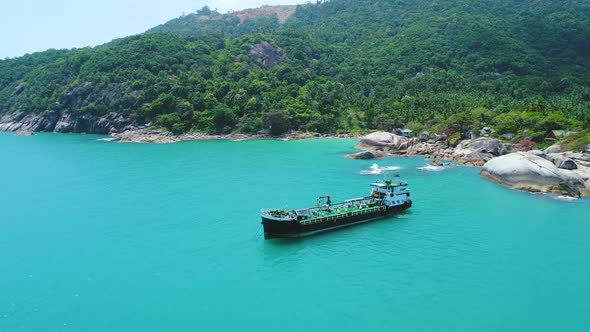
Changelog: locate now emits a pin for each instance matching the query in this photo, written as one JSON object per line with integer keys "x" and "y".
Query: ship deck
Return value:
{"x": 339, "y": 212}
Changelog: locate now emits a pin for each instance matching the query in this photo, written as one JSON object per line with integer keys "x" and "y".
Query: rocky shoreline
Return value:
{"x": 164, "y": 137}
{"x": 550, "y": 171}
{"x": 468, "y": 152}
{"x": 123, "y": 129}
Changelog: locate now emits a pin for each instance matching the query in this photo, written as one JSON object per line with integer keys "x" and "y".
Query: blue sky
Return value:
{"x": 28, "y": 26}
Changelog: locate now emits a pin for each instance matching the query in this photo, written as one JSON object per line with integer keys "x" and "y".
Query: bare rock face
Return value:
{"x": 65, "y": 122}
{"x": 526, "y": 171}
{"x": 269, "y": 55}
{"x": 20, "y": 89}
{"x": 383, "y": 141}
{"x": 365, "y": 155}
{"x": 111, "y": 123}
{"x": 32, "y": 122}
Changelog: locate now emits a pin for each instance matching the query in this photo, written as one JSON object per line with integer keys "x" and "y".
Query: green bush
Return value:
{"x": 454, "y": 139}
{"x": 577, "y": 142}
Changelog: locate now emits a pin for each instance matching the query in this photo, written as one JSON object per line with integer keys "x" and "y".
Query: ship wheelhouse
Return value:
{"x": 390, "y": 193}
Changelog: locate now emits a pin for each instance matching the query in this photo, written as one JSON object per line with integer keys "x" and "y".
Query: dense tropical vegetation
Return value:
{"x": 518, "y": 66}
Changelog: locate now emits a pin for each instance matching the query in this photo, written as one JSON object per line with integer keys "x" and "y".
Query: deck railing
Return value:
{"x": 348, "y": 213}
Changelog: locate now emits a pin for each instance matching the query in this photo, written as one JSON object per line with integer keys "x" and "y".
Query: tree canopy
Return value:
{"x": 333, "y": 66}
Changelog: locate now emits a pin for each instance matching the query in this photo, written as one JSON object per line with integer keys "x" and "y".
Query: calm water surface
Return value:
{"x": 102, "y": 236}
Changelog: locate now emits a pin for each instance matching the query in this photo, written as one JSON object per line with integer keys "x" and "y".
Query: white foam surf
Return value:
{"x": 431, "y": 168}
{"x": 562, "y": 198}
{"x": 375, "y": 169}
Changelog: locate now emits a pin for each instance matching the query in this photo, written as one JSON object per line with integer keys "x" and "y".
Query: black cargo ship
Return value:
{"x": 387, "y": 198}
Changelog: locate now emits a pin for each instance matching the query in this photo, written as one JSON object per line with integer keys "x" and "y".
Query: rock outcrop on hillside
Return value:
{"x": 267, "y": 54}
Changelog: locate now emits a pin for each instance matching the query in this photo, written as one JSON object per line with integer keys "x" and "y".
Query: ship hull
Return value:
{"x": 294, "y": 229}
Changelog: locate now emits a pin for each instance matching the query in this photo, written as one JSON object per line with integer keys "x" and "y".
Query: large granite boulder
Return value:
{"x": 471, "y": 158}
{"x": 365, "y": 155}
{"x": 578, "y": 163}
{"x": 555, "y": 148}
{"x": 383, "y": 141}
{"x": 564, "y": 163}
{"x": 526, "y": 171}
{"x": 539, "y": 153}
{"x": 484, "y": 145}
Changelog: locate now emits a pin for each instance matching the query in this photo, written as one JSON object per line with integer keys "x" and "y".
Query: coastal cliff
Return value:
{"x": 64, "y": 122}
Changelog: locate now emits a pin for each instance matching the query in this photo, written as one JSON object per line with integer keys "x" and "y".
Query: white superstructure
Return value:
{"x": 393, "y": 193}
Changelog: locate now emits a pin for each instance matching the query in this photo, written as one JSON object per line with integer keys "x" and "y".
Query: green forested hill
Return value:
{"x": 339, "y": 65}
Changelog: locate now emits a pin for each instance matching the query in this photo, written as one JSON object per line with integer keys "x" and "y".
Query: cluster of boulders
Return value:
{"x": 145, "y": 136}
{"x": 474, "y": 152}
{"x": 479, "y": 151}
{"x": 390, "y": 143}
{"x": 431, "y": 149}
{"x": 549, "y": 171}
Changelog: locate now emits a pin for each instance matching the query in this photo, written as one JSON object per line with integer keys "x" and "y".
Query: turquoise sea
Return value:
{"x": 103, "y": 236}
